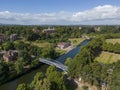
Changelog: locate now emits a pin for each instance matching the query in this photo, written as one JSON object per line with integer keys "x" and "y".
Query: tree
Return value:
{"x": 19, "y": 66}
{"x": 8, "y": 46}
{"x": 49, "y": 52}
{"x": 114, "y": 80}
{"x": 34, "y": 62}
{"x": 43, "y": 84}
{"x": 23, "y": 87}
{"x": 85, "y": 87}
{"x": 33, "y": 36}
{"x": 4, "y": 71}
{"x": 56, "y": 79}
{"x": 26, "y": 57}
{"x": 37, "y": 78}
{"x": 68, "y": 61}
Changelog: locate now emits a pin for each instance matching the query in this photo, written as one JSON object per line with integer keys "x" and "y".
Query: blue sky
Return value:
{"x": 59, "y": 11}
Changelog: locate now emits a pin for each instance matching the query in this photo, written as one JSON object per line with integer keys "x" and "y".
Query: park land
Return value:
{"x": 113, "y": 41}
{"x": 107, "y": 57}
{"x": 34, "y": 42}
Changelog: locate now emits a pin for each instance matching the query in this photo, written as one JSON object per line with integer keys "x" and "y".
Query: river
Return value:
{"x": 27, "y": 78}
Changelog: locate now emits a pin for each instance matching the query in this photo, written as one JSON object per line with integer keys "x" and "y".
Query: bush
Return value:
{"x": 85, "y": 87}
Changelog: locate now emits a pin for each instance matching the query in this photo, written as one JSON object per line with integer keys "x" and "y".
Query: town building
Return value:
{"x": 10, "y": 56}
{"x": 97, "y": 29}
{"x": 63, "y": 45}
{"x": 80, "y": 28}
{"x": 85, "y": 37}
{"x": 13, "y": 37}
{"x": 49, "y": 31}
{"x": 35, "y": 30}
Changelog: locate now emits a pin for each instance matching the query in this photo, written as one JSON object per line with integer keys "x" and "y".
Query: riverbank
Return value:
{"x": 82, "y": 84}
{"x": 72, "y": 46}
{"x": 27, "y": 70}
{"x": 28, "y": 76}
{"x": 25, "y": 78}
{"x": 68, "y": 49}
{"x": 76, "y": 41}
{"x": 15, "y": 76}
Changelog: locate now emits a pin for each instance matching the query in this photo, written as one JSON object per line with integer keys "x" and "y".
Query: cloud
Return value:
{"x": 106, "y": 14}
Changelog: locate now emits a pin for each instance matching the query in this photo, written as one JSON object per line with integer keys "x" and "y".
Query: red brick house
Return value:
{"x": 49, "y": 31}
{"x": 63, "y": 45}
{"x": 10, "y": 56}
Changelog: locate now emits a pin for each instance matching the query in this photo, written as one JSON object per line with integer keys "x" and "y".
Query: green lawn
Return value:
{"x": 76, "y": 41}
{"x": 44, "y": 44}
{"x": 107, "y": 58}
{"x": 113, "y": 40}
{"x": 41, "y": 44}
{"x": 61, "y": 52}
{"x": 37, "y": 43}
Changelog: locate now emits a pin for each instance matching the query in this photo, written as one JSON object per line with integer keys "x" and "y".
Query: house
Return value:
{"x": 13, "y": 37}
{"x": 10, "y": 56}
{"x": 80, "y": 28}
{"x": 85, "y": 36}
{"x": 63, "y": 45}
{"x": 2, "y": 38}
{"x": 97, "y": 29}
{"x": 49, "y": 31}
{"x": 35, "y": 30}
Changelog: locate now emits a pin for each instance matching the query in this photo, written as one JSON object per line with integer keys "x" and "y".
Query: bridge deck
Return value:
{"x": 55, "y": 63}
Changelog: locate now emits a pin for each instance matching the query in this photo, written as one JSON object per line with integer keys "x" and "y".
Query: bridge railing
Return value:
{"x": 55, "y": 63}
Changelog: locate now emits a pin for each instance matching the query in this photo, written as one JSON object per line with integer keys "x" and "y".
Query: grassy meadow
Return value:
{"x": 41, "y": 44}
{"x": 113, "y": 41}
{"x": 76, "y": 41}
{"x": 37, "y": 43}
{"x": 107, "y": 57}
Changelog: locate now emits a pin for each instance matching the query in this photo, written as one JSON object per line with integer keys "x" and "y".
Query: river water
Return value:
{"x": 27, "y": 78}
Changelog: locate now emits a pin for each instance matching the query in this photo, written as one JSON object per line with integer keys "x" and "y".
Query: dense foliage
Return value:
{"x": 62, "y": 33}
{"x": 83, "y": 65}
{"x": 28, "y": 57}
{"x": 93, "y": 72}
{"x": 115, "y": 48}
{"x": 52, "y": 80}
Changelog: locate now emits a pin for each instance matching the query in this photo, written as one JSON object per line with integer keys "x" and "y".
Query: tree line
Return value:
{"x": 93, "y": 72}
{"x": 9, "y": 70}
{"x": 51, "y": 80}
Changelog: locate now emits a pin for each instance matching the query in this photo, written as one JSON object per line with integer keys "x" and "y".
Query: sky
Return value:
{"x": 60, "y": 12}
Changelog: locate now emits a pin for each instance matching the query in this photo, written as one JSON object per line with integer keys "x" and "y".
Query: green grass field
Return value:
{"x": 113, "y": 40}
{"x": 76, "y": 41}
{"x": 61, "y": 52}
{"x": 38, "y": 43}
{"x": 107, "y": 58}
{"x": 41, "y": 44}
